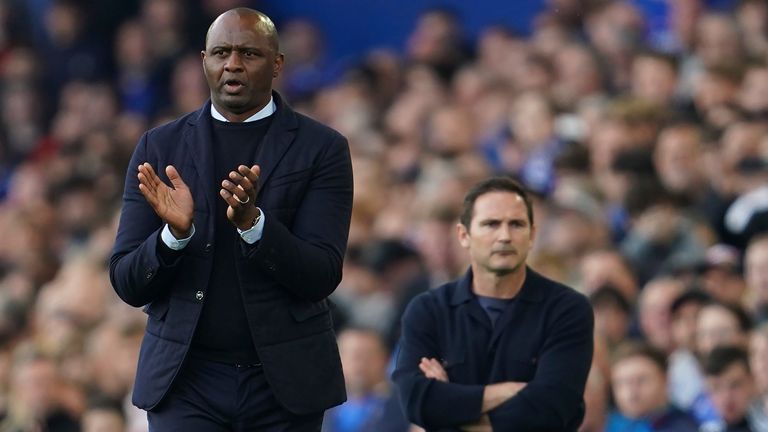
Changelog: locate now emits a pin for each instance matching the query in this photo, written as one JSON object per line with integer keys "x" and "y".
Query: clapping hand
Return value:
{"x": 173, "y": 204}
{"x": 239, "y": 191}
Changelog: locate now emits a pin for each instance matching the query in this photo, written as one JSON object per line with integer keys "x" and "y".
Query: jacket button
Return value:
{"x": 150, "y": 273}
{"x": 199, "y": 295}
{"x": 208, "y": 247}
{"x": 270, "y": 265}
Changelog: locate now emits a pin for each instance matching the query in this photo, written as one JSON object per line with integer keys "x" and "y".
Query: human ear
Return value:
{"x": 463, "y": 234}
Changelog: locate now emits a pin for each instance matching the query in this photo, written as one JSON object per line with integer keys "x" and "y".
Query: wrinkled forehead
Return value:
{"x": 241, "y": 29}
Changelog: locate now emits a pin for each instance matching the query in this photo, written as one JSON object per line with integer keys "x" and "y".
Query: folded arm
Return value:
{"x": 493, "y": 394}
{"x": 430, "y": 402}
{"x": 553, "y": 400}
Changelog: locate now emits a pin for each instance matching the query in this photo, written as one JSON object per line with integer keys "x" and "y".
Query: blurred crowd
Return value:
{"x": 642, "y": 131}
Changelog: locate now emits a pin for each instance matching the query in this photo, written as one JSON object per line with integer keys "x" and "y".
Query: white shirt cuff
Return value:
{"x": 172, "y": 242}
{"x": 253, "y": 234}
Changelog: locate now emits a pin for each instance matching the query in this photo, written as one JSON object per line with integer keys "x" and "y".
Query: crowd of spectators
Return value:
{"x": 644, "y": 139}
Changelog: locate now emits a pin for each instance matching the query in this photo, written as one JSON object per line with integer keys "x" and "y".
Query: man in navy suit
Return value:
{"x": 232, "y": 246}
{"x": 502, "y": 348}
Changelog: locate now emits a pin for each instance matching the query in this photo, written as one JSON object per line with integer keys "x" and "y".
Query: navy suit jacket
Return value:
{"x": 544, "y": 338}
{"x": 306, "y": 195}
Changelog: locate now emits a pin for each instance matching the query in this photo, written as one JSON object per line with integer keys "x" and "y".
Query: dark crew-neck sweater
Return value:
{"x": 223, "y": 333}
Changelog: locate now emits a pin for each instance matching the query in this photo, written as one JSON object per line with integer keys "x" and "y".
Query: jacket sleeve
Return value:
{"x": 307, "y": 259}
{"x": 553, "y": 400}
{"x": 427, "y": 402}
{"x": 136, "y": 270}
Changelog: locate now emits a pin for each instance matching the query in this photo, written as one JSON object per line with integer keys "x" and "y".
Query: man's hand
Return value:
{"x": 493, "y": 395}
{"x": 496, "y": 394}
{"x": 173, "y": 204}
{"x": 239, "y": 191}
{"x": 433, "y": 369}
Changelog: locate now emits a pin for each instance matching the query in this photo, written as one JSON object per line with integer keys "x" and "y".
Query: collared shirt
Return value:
{"x": 249, "y": 236}
{"x": 267, "y": 111}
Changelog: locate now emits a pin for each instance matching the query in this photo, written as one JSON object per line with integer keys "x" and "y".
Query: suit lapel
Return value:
{"x": 277, "y": 141}
{"x": 199, "y": 141}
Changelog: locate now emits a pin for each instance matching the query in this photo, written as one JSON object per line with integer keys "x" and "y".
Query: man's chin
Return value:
{"x": 505, "y": 269}
{"x": 233, "y": 103}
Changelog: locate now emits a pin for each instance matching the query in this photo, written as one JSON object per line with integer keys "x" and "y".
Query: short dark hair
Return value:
{"x": 102, "y": 402}
{"x": 494, "y": 184}
{"x": 670, "y": 59}
{"x": 738, "y": 312}
{"x": 609, "y": 295}
{"x": 690, "y": 296}
{"x": 722, "y": 357}
{"x": 634, "y": 349}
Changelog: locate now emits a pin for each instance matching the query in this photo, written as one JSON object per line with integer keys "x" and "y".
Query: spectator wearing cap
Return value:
{"x": 639, "y": 380}
{"x": 731, "y": 386}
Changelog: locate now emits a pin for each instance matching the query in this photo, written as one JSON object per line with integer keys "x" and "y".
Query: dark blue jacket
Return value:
{"x": 544, "y": 338}
{"x": 306, "y": 195}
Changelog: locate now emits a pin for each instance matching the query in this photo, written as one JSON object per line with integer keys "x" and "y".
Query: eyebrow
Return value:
{"x": 236, "y": 48}
{"x": 486, "y": 220}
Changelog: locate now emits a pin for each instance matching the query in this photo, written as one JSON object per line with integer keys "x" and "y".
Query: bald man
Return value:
{"x": 234, "y": 224}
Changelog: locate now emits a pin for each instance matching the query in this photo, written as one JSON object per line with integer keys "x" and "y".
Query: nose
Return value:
{"x": 505, "y": 234}
{"x": 234, "y": 63}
